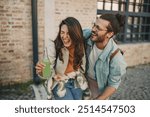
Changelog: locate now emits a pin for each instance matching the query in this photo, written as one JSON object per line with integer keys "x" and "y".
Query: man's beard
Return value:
{"x": 96, "y": 38}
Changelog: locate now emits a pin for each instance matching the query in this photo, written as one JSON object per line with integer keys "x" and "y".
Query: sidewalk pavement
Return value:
{"x": 135, "y": 85}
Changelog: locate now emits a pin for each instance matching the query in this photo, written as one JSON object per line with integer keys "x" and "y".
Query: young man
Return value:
{"x": 105, "y": 63}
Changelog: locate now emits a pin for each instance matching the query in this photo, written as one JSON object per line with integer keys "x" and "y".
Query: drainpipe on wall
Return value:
{"x": 36, "y": 79}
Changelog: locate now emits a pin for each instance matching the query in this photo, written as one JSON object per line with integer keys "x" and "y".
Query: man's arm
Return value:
{"x": 87, "y": 33}
{"x": 117, "y": 70}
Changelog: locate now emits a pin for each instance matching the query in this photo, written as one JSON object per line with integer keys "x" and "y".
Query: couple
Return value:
{"x": 88, "y": 55}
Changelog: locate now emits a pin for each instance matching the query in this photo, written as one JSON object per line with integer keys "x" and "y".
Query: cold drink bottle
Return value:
{"x": 47, "y": 68}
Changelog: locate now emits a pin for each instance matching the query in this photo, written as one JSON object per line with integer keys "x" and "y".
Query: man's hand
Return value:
{"x": 107, "y": 93}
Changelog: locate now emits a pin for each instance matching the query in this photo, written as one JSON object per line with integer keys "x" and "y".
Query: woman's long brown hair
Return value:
{"x": 76, "y": 34}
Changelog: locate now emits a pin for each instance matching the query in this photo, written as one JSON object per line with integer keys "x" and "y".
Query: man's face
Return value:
{"x": 99, "y": 30}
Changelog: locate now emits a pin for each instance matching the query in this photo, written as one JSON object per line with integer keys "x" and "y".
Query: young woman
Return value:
{"x": 68, "y": 81}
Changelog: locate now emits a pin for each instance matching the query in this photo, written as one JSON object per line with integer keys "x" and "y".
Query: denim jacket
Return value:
{"x": 107, "y": 73}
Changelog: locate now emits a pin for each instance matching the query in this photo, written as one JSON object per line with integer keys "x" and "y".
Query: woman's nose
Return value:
{"x": 65, "y": 36}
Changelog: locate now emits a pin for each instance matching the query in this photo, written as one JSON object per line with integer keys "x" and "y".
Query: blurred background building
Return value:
{"x": 27, "y": 25}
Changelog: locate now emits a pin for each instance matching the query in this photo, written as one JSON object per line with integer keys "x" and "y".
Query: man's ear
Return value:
{"x": 110, "y": 34}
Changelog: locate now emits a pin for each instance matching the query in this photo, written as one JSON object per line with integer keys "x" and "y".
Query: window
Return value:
{"x": 137, "y": 12}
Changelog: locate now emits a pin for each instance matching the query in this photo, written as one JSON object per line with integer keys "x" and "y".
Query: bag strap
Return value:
{"x": 114, "y": 53}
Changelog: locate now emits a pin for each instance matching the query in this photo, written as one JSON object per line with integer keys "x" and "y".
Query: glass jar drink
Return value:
{"x": 47, "y": 69}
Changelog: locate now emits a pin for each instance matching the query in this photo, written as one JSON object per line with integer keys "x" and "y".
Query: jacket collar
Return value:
{"x": 106, "y": 52}
{"x": 107, "y": 49}
{"x": 90, "y": 42}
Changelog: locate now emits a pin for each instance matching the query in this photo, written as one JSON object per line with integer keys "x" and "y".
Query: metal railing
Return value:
{"x": 137, "y": 12}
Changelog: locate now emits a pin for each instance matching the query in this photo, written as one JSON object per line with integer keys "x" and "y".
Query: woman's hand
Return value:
{"x": 58, "y": 77}
{"x": 39, "y": 68}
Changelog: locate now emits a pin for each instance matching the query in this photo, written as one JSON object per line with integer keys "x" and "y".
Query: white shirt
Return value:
{"x": 92, "y": 60}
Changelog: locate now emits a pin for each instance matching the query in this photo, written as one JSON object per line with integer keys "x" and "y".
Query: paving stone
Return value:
{"x": 135, "y": 85}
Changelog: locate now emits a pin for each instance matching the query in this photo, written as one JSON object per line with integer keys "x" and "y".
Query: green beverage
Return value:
{"x": 47, "y": 69}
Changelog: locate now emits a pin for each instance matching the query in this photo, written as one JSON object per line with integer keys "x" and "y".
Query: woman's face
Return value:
{"x": 64, "y": 34}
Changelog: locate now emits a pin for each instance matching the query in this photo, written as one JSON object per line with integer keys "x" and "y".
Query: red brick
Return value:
{"x": 10, "y": 51}
{"x": 17, "y": 26}
{"x": 4, "y": 44}
{"x": 11, "y": 44}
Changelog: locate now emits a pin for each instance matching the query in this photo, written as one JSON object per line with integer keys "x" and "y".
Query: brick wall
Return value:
{"x": 83, "y": 10}
{"x": 16, "y": 40}
{"x": 16, "y": 35}
{"x": 136, "y": 54}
